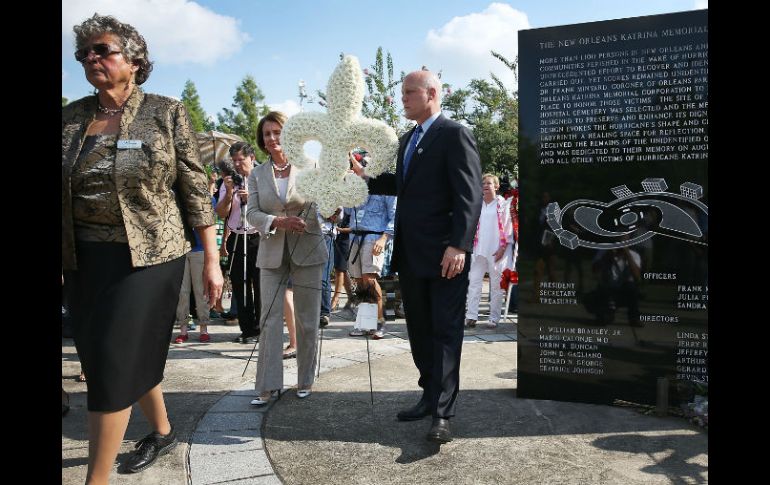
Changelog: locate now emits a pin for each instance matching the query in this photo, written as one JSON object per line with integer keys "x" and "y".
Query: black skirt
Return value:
{"x": 122, "y": 320}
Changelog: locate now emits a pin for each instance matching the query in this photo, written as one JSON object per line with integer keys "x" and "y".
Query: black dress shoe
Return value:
{"x": 148, "y": 449}
{"x": 419, "y": 411}
{"x": 439, "y": 431}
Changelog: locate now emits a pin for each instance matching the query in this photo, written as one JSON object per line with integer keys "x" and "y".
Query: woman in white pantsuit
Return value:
{"x": 291, "y": 246}
{"x": 492, "y": 248}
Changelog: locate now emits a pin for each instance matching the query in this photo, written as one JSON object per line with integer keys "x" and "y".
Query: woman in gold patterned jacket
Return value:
{"x": 133, "y": 187}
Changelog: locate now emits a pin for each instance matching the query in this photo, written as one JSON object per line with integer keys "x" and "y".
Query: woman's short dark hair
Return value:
{"x": 243, "y": 148}
{"x": 133, "y": 44}
{"x": 274, "y": 116}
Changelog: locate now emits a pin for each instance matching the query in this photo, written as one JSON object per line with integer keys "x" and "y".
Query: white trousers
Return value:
{"x": 479, "y": 266}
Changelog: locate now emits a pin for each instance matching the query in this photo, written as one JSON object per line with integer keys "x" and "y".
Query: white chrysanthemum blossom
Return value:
{"x": 338, "y": 131}
{"x": 331, "y": 193}
{"x": 345, "y": 90}
{"x": 298, "y": 130}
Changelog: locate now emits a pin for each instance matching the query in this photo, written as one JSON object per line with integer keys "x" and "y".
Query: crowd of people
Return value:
{"x": 139, "y": 235}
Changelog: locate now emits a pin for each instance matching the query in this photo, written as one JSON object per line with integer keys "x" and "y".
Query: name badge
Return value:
{"x": 129, "y": 144}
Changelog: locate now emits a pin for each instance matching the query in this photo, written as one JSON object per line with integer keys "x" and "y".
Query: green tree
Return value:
{"x": 249, "y": 107}
{"x": 490, "y": 109}
{"x": 64, "y": 101}
{"x": 192, "y": 102}
{"x": 380, "y": 102}
{"x": 456, "y": 102}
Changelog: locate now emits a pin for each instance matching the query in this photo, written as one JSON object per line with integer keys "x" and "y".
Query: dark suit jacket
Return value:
{"x": 438, "y": 202}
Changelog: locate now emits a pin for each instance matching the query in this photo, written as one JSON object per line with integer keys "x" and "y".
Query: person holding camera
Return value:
{"x": 232, "y": 206}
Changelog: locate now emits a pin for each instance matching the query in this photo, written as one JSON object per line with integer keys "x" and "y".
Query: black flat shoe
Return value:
{"x": 439, "y": 431}
{"x": 419, "y": 411}
{"x": 148, "y": 450}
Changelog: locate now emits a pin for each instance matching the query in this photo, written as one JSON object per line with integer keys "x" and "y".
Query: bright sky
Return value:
{"x": 216, "y": 43}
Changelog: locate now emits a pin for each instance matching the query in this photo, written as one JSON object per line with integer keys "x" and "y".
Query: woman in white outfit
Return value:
{"x": 492, "y": 248}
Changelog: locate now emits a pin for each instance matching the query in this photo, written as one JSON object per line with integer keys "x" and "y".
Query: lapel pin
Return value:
{"x": 419, "y": 151}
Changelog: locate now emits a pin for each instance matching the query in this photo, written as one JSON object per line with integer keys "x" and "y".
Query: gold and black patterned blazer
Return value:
{"x": 161, "y": 186}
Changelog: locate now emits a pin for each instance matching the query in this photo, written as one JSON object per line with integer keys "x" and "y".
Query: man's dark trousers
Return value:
{"x": 435, "y": 310}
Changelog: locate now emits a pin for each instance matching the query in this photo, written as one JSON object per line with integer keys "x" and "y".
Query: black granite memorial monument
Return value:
{"x": 614, "y": 224}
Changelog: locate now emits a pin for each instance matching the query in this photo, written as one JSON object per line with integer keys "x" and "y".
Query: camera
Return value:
{"x": 360, "y": 157}
{"x": 226, "y": 168}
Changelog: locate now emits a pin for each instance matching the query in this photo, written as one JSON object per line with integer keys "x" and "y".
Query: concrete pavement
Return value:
{"x": 337, "y": 436}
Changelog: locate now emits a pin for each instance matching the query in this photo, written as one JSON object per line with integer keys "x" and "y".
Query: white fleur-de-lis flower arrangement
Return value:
{"x": 343, "y": 128}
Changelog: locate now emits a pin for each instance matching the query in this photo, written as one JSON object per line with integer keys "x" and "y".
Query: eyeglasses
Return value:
{"x": 101, "y": 50}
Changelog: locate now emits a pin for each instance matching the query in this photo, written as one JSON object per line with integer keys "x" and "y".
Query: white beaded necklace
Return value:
{"x": 279, "y": 169}
{"x": 108, "y": 111}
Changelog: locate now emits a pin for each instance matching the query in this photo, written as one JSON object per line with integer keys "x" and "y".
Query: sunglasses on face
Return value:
{"x": 101, "y": 50}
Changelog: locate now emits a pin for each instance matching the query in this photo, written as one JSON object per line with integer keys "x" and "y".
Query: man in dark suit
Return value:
{"x": 438, "y": 184}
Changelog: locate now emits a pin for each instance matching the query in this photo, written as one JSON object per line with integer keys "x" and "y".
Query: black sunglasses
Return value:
{"x": 101, "y": 50}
